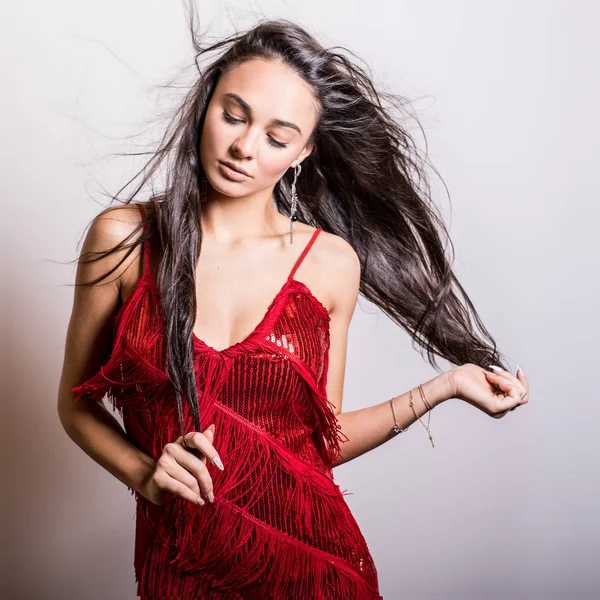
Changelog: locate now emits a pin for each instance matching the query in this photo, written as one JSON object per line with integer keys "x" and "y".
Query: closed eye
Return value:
{"x": 230, "y": 119}
{"x": 234, "y": 121}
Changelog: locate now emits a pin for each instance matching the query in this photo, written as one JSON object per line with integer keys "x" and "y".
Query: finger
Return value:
{"x": 502, "y": 382}
{"x": 180, "y": 472}
{"x": 174, "y": 486}
{"x": 199, "y": 440}
{"x": 190, "y": 466}
{"x": 504, "y": 373}
{"x": 509, "y": 388}
{"x": 209, "y": 433}
{"x": 521, "y": 375}
{"x": 509, "y": 376}
{"x": 189, "y": 469}
{"x": 524, "y": 382}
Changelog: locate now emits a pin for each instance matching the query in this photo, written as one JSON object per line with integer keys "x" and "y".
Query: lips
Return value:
{"x": 235, "y": 168}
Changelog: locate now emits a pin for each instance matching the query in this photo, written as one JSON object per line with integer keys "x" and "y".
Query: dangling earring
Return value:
{"x": 293, "y": 216}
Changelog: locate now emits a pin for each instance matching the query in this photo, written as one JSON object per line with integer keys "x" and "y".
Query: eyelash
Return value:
{"x": 233, "y": 121}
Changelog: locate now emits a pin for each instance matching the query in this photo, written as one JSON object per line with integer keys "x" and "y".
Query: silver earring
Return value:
{"x": 293, "y": 216}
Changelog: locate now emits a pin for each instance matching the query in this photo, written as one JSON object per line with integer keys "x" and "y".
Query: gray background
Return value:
{"x": 507, "y": 94}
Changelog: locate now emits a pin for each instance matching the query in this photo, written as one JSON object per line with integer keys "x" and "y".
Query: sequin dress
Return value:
{"x": 280, "y": 527}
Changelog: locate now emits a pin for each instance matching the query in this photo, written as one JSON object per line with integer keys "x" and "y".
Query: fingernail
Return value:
{"x": 210, "y": 496}
{"x": 496, "y": 368}
{"x": 519, "y": 369}
{"x": 217, "y": 462}
{"x": 200, "y": 501}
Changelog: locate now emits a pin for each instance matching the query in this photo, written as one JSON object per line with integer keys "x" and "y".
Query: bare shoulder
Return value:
{"x": 97, "y": 298}
{"x": 117, "y": 222}
{"x": 340, "y": 269}
{"x": 111, "y": 227}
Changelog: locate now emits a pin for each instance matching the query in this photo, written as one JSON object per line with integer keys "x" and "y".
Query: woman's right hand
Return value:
{"x": 179, "y": 471}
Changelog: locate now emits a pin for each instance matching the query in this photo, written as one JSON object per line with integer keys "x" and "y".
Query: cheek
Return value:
{"x": 210, "y": 138}
{"x": 274, "y": 163}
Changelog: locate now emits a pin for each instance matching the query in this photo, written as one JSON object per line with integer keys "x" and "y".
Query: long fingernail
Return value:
{"x": 200, "y": 501}
{"x": 210, "y": 496}
{"x": 519, "y": 369}
{"x": 217, "y": 462}
{"x": 496, "y": 368}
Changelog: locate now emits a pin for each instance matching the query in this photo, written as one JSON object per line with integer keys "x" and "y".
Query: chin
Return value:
{"x": 221, "y": 185}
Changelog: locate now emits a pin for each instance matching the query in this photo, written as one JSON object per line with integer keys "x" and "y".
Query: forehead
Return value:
{"x": 272, "y": 89}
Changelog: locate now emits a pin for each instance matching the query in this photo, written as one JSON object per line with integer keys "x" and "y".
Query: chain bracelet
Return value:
{"x": 398, "y": 429}
{"x": 428, "y": 415}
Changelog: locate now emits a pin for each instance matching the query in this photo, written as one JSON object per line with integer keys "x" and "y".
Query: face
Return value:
{"x": 259, "y": 118}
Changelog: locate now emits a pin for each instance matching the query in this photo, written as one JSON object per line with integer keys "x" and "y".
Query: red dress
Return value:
{"x": 280, "y": 527}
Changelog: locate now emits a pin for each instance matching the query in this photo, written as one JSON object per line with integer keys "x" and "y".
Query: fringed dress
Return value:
{"x": 280, "y": 527}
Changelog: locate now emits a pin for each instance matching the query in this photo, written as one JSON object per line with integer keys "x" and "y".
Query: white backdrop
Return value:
{"x": 507, "y": 95}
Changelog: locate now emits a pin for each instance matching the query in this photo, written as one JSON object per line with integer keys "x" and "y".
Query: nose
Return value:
{"x": 245, "y": 145}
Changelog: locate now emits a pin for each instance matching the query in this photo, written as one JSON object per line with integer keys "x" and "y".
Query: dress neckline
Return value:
{"x": 147, "y": 280}
{"x": 278, "y": 300}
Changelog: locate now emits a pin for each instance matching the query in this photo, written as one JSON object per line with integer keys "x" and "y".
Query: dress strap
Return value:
{"x": 305, "y": 252}
{"x": 145, "y": 242}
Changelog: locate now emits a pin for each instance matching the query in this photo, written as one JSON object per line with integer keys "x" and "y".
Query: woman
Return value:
{"x": 288, "y": 186}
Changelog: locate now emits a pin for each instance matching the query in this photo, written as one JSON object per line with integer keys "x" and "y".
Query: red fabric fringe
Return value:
{"x": 279, "y": 527}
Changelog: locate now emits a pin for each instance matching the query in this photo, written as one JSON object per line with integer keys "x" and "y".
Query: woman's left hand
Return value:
{"x": 493, "y": 393}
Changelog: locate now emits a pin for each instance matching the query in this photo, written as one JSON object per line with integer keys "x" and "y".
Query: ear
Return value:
{"x": 305, "y": 152}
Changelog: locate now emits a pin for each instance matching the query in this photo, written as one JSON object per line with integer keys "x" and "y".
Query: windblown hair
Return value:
{"x": 364, "y": 181}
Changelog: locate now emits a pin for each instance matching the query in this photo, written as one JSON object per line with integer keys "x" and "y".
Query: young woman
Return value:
{"x": 221, "y": 337}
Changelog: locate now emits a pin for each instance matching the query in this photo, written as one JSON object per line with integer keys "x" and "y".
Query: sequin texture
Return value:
{"x": 280, "y": 526}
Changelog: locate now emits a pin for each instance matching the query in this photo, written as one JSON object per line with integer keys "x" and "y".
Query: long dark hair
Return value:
{"x": 364, "y": 181}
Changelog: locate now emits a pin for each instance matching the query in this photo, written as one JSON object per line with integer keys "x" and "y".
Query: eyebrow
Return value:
{"x": 248, "y": 109}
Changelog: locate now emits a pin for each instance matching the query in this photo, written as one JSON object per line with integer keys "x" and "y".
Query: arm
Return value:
{"x": 369, "y": 427}
{"x": 88, "y": 345}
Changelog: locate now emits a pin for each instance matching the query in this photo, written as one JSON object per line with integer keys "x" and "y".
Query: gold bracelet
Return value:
{"x": 423, "y": 397}
{"x": 429, "y": 414}
{"x": 397, "y": 428}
